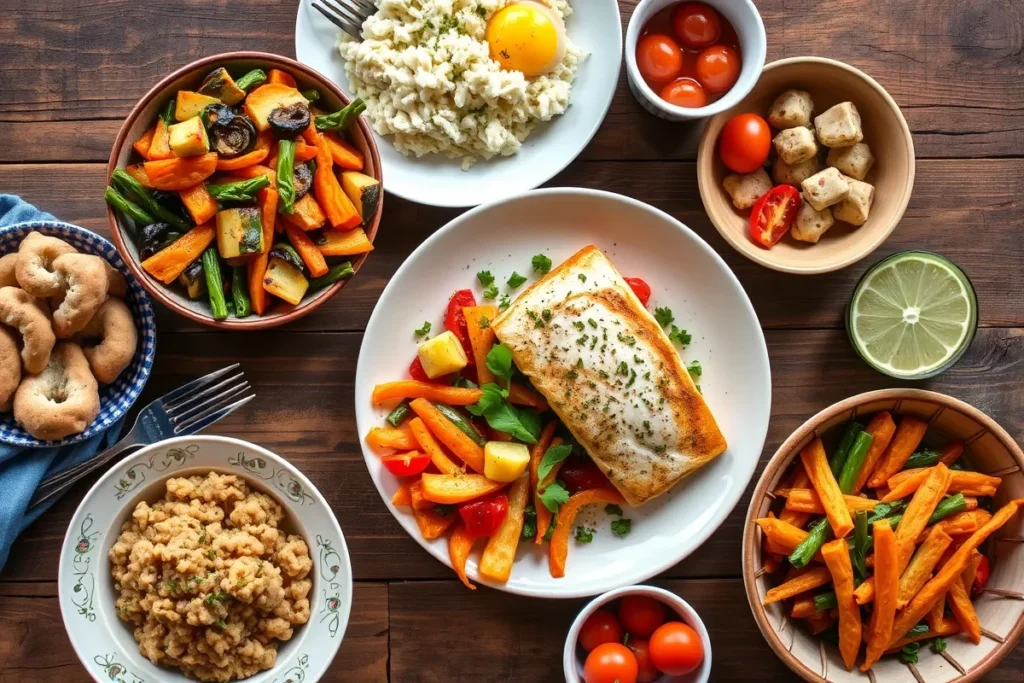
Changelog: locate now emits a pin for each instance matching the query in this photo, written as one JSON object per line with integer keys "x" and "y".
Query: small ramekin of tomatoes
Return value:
{"x": 689, "y": 60}
{"x": 637, "y": 634}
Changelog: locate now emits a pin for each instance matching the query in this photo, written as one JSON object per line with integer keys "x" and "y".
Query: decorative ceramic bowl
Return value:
{"x": 116, "y": 398}
{"x": 142, "y": 117}
{"x": 105, "y": 644}
{"x": 743, "y": 16}
{"x": 885, "y": 130}
{"x": 1000, "y": 608}
{"x": 572, "y": 656}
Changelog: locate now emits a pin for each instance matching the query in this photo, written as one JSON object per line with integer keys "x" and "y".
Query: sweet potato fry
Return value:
{"x": 447, "y": 433}
{"x": 816, "y": 464}
{"x": 962, "y": 522}
{"x": 781, "y": 537}
{"x": 936, "y": 613}
{"x": 950, "y": 572}
{"x": 803, "y": 607}
{"x": 806, "y": 500}
{"x": 391, "y": 437}
{"x": 906, "y": 482}
{"x": 960, "y": 600}
{"x": 904, "y": 442}
{"x": 887, "y": 576}
{"x": 142, "y": 144}
{"x": 431, "y": 524}
{"x": 429, "y": 445}
{"x": 837, "y": 560}
{"x": 951, "y": 452}
{"x": 168, "y": 263}
{"x": 453, "y": 396}
{"x": 452, "y": 489}
{"x": 819, "y": 623}
{"x": 946, "y": 627}
{"x": 799, "y": 480}
{"x": 920, "y": 567}
{"x": 497, "y": 558}
{"x": 403, "y": 496}
{"x": 802, "y": 581}
{"x": 881, "y": 428}
{"x": 460, "y": 543}
{"x": 558, "y": 549}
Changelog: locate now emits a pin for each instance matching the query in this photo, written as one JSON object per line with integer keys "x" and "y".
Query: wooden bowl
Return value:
{"x": 1000, "y": 607}
{"x": 143, "y": 115}
{"x": 829, "y": 82}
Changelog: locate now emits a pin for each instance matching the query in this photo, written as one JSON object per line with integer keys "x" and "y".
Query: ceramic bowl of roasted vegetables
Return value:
{"x": 244, "y": 190}
{"x": 885, "y": 541}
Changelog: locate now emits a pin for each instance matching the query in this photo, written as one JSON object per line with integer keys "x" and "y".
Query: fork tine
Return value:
{"x": 220, "y": 397}
{"x": 345, "y": 11}
{"x": 366, "y": 5}
{"x": 190, "y": 400}
{"x": 172, "y": 396}
{"x": 343, "y": 24}
{"x": 205, "y": 420}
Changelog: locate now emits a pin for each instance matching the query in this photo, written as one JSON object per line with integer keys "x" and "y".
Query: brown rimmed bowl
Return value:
{"x": 1000, "y": 607}
{"x": 143, "y": 115}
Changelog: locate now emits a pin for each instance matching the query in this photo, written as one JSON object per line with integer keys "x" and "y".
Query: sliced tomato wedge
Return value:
{"x": 773, "y": 214}
{"x": 406, "y": 464}
{"x": 483, "y": 517}
{"x": 640, "y": 288}
{"x": 455, "y": 319}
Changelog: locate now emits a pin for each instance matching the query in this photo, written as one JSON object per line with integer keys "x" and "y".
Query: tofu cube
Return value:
{"x": 794, "y": 174}
{"x": 746, "y": 189}
{"x": 839, "y": 126}
{"x": 504, "y": 461}
{"x": 442, "y": 355}
{"x": 791, "y": 109}
{"x": 854, "y": 161}
{"x": 810, "y": 223}
{"x": 795, "y": 145}
{"x": 188, "y": 138}
{"x": 856, "y": 207}
{"x": 825, "y": 188}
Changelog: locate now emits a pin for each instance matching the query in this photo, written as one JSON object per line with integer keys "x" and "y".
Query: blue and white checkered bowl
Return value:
{"x": 116, "y": 398}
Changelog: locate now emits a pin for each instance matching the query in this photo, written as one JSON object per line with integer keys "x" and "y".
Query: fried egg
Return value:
{"x": 526, "y": 36}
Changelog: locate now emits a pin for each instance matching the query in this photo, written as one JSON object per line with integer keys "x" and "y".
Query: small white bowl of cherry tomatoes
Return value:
{"x": 690, "y": 60}
{"x": 637, "y": 634}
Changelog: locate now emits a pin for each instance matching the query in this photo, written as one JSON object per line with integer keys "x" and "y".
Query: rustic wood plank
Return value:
{"x": 304, "y": 410}
{"x": 965, "y": 210}
{"x": 34, "y": 647}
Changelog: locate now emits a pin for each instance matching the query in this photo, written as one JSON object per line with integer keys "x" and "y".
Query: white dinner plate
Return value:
{"x": 438, "y": 181}
{"x": 685, "y": 274}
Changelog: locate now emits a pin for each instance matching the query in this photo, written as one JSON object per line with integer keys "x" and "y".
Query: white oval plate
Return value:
{"x": 435, "y": 180}
{"x": 685, "y": 274}
{"x": 85, "y": 588}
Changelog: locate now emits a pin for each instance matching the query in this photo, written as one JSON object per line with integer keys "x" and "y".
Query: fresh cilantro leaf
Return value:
{"x": 541, "y": 264}
{"x": 499, "y": 361}
{"x": 584, "y": 534}
{"x": 695, "y": 369}
{"x": 552, "y": 457}
{"x": 491, "y": 398}
{"x": 505, "y": 418}
{"x": 529, "y": 522}
{"x": 505, "y": 302}
{"x": 679, "y": 336}
{"x": 530, "y": 419}
{"x": 939, "y": 645}
{"x": 491, "y": 292}
{"x": 664, "y": 316}
{"x": 612, "y": 509}
{"x": 443, "y": 510}
{"x": 909, "y": 653}
{"x": 515, "y": 280}
{"x": 553, "y": 497}
{"x": 485, "y": 278}
{"x": 423, "y": 331}
{"x": 621, "y": 527}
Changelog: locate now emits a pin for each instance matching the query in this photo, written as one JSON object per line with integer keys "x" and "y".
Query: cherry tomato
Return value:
{"x": 718, "y": 67}
{"x": 581, "y": 474}
{"x": 676, "y": 649}
{"x": 641, "y": 615}
{"x": 602, "y": 627}
{"x": 744, "y": 143}
{"x": 697, "y": 25}
{"x": 455, "y": 319}
{"x": 773, "y": 214}
{"x": 684, "y": 92}
{"x": 658, "y": 58}
{"x": 640, "y": 288}
{"x": 483, "y": 517}
{"x": 417, "y": 372}
{"x": 646, "y": 671}
{"x": 981, "y": 575}
{"x": 610, "y": 663}
{"x": 406, "y": 464}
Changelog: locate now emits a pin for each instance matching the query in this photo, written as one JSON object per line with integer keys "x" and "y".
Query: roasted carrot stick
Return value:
{"x": 431, "y": 524}
{"x": 817, "y": 467}
{"x": 887, "y": 576}
{"x": 881, "y": 428}
{"x": 142, "y": 144}
{"x": 920, "y": 567}
{"x": 960, "y": 600}
{"x": 447, "y": 433}
{"x": 497, "y": 558}
{"x": 806, "y": 500}
{"x": 951, "y": 452}
{"x": 904, "y": 442}
{"x": 481, "y": 338}
{"x": 802, "y": 581}
{"x": 460, "y": 543}
{"x": 837, "y": 559}
{"x": 452, "y": 489}
{"x": 429, "y": 445}
{"x": 968, "y": 483}
{"x": 168, "y": 263}
{"x": 558, "y": 550}
{"x": 781, "y": 537}
{"x": 308, "y": 252}
{"x": 800, "y": 480}
{"x": 391, "y": 437}
{"x": 403, "y": 389}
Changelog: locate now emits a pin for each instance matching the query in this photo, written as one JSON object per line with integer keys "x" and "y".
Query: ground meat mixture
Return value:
{"x": 208, "y": 580}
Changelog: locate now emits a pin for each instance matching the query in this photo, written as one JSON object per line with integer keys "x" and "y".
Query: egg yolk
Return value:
{"x": 526, "y": 37}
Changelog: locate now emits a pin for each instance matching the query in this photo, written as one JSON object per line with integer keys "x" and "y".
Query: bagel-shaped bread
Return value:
{"x": 116, "y": 284}
{"x": 27, "y": 315}
{"x": 109, "y": 340}
{"x": 85, "y": 289}
{"x": 62, "y": 399}
{"x": 36, "y": 255}
{"x": 10, "y": 368}
{"x": 9, "y": 270}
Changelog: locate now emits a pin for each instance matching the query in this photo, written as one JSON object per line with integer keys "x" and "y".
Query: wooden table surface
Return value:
{"x": 72, "y": 69}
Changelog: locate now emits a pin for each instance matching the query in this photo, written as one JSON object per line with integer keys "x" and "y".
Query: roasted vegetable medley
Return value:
{"x": 246, "y": 192}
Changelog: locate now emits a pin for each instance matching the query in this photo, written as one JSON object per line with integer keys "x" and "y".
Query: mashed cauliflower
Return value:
{"x": 208, "y": 580}
{"x": 424, "y": 70}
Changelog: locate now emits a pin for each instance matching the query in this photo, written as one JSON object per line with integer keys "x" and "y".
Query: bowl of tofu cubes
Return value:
{"x": 812, "y": 171}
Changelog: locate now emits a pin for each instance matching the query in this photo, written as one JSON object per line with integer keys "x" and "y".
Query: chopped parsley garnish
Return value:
{"x": 627, "y": 339}
{"x": 172, "y": 585}
{"x": 515, "y": 280}
{"x": 583, "y": 278}
{"x": 553, "y": 497}
{"x": 481, "y": 11}
{"x": 592, "y": 323}
{"x": 505, "y": 302}
{"x": 939, "y": 645}
{"x": 484, "y": 323}
{"x": 664, "y": 316}
{"x": 695, "y": 369}
{"x": 623, "y": 369}
{"x": 909, "y": 653}
{"x": 215, "y": 597}
{"x": 541, "y": 264}
{"x": 584, "y": 534}
{"x": 552, "y": 457}
{"x": 612, "y": 509}
{"x": 486, "y": 280}
{"x": 202, "y": 539}
{"x": 578, "y": 325}
{"x": 491, "y": 292}
{"x": 529, "y": 522}
{"x": 679, "y": 336}
{"x": 443, "y": 510}
{"x": 221, "y": 624}
{"x": 546, "y": 315}
{"x": 423, "y": 331}
{"x": 621, "y": 527}
{"x": 211, "y": 555}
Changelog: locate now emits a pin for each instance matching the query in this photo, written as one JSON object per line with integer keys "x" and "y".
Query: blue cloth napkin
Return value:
{"x": 22, "y": 469}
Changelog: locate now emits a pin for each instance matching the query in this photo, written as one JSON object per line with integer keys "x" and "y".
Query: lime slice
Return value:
{"x": 913, "y": 315}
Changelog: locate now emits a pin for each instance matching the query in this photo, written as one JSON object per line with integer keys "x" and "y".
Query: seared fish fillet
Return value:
{"x": 612, "y": 375}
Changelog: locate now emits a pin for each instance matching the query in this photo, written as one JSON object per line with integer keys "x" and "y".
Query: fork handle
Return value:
{"x": 61, "y": 482}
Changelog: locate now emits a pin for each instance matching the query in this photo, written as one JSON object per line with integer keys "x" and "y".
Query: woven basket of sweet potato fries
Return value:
{"x": 884, "y": 542}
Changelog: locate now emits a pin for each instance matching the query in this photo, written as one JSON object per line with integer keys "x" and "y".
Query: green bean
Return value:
{"x": 819, "y": 532}
{"x": 925, "y": 458}
{"x": 239, "y": 191}
{"x": 214, "y": 283}
{"x": 338, "y": 272}
{"x": 134, "y": 190}
{"x": 854, "y": 461}
{"x": 859, "y": 551}
{"x": 397, "y": 416}
{"x": 825, "y": 601}
{"x": 240, "y": 292}
{"x": 311, "y": 95}
{"x": 842, "y": 451}
{"x": 167, "y": 115}
{"x": 254, "y": 78}
{"x": 464, "y": 425}
{"x": 341, "y": 119}
{"x": 950, "y": 505}
{"x": 136, "y": 213}
{"x": 285, "y": 174}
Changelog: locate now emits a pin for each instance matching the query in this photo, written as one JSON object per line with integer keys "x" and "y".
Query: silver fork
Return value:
{"x": 181, "y": 412}
{"x": 348, "y": 15}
